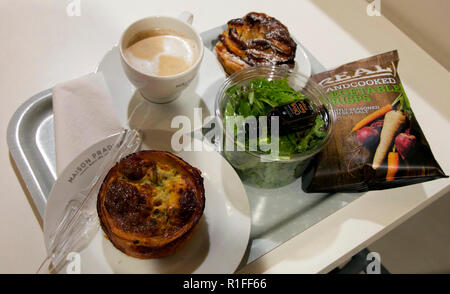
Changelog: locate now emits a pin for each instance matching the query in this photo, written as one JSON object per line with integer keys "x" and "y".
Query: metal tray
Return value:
{"x": 277, "y": 214}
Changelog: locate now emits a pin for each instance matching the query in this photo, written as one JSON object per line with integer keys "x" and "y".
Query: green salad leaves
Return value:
{"x": 259, "y": 97}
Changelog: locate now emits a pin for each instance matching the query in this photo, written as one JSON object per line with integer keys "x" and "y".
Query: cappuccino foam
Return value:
{"x": 162, "y": 55}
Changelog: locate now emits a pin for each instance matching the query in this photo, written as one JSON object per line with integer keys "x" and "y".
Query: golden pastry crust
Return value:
{"x": 255, "y": 39}
{"x": 150, "y": 204}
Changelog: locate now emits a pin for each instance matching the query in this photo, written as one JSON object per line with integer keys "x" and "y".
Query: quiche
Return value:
{"x": 255, "y": 39}
{"x": 150, "y": 204}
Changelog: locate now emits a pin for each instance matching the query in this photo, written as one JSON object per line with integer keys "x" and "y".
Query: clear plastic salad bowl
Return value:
{"x": 256, "y": 167}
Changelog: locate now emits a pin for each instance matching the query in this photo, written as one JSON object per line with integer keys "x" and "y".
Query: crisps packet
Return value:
{"x": 377, "y": 141}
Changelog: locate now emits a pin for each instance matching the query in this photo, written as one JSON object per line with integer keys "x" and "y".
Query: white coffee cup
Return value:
{"x": 161, "y": 89}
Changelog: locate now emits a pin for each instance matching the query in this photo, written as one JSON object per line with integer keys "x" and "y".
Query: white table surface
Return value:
{"x": 41, "y": 45}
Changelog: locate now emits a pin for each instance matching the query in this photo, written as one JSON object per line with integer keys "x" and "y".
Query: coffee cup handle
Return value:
{"x": 186, "y": 17}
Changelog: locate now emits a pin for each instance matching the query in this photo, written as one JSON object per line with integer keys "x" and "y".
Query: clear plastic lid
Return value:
{"x": 311, "y": 90}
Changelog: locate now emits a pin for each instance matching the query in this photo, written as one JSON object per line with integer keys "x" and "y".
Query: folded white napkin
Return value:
{"x": 83, "y": 115}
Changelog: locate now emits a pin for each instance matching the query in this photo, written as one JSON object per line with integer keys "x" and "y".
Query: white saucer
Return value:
{"x": 216, "y": 247}
{"x": 150, "y": 115}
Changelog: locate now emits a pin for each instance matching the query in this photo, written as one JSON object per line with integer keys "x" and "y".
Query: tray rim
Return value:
{"x": 16, "y": 150}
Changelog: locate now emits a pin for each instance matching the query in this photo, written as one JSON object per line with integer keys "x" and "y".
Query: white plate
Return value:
{"x": 216, "y": 247}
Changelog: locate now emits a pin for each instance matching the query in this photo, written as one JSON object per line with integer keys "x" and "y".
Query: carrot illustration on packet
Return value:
{"x": 392, "y": 165}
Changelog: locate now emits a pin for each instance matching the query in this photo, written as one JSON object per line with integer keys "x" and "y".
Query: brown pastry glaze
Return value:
{"x": 255, "y": 39}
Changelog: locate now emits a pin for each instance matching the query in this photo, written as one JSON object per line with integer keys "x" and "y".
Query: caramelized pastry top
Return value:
{"x": 151, "y": 195}
{"x": 255, "y": 39}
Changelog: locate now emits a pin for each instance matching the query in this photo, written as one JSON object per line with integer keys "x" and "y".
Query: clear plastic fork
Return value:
{"x": 79, "y": 219}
